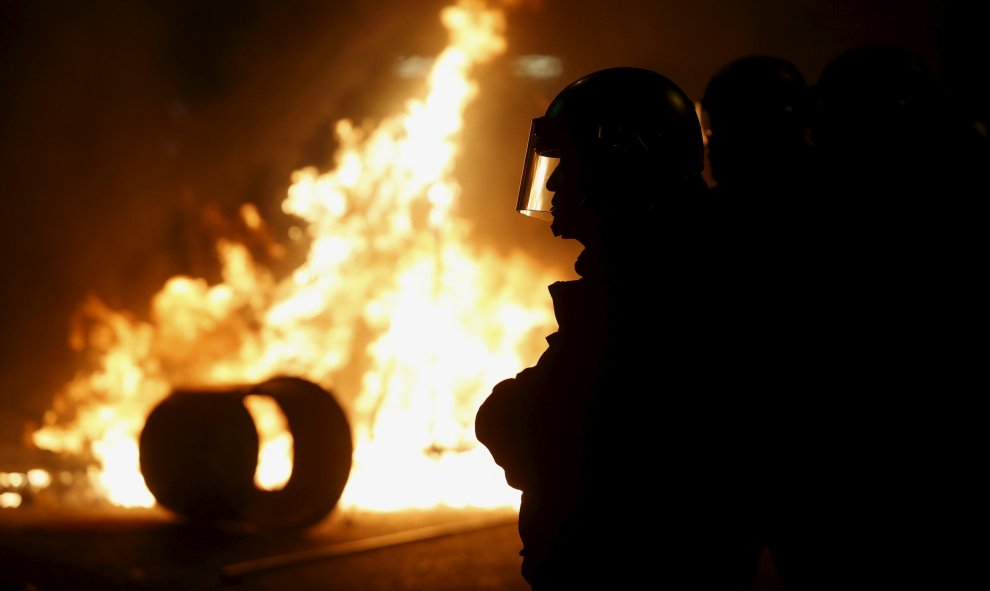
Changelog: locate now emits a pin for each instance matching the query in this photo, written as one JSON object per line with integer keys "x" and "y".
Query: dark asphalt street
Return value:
{"x": 130, "y": 550}
{"x": 149, "y": 550}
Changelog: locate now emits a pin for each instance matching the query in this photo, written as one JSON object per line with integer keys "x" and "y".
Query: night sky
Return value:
{"x": 120, "y": 120}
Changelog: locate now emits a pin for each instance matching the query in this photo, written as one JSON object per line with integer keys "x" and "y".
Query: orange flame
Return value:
{"x": 392, "y": 309}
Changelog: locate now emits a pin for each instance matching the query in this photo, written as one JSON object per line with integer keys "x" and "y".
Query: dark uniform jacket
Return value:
{"x": 620, "y": 430}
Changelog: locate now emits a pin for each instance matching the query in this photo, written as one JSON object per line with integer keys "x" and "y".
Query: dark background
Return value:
{"x": 120, "y": 119}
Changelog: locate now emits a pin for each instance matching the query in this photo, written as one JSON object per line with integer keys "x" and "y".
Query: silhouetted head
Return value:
{"x": 610, "y": 147}
{"x": 757, "y": 112}
{"x": 877, "y": 103}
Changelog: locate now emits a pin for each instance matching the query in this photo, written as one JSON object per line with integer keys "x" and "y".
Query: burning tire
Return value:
{"x": 199, "y": 453}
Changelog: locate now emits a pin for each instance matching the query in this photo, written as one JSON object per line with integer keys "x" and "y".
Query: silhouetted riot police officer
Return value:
{"x": 625, "y": 437}
{"x": 901, "y": 287}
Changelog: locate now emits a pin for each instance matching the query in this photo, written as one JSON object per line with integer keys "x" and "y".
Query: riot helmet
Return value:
{"x": 882, "y": 124}
{"x": 757, "y": 113}
{"x": 625, "y": 136}
{"x": 757, "y": 93}
{"x": 882, "y": 94}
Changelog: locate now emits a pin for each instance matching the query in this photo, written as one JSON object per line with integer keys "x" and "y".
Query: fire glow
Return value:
{"x": 390, "y": 285}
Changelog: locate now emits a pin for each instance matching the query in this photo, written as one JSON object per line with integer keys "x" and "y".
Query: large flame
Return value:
{"x": 393, "y": 310}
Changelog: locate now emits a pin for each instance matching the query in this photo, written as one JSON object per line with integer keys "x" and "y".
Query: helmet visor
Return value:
{"x": 542, "y": 158}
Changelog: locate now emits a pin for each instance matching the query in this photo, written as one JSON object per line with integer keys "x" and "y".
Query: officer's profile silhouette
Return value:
{"x": 619, "y": 430}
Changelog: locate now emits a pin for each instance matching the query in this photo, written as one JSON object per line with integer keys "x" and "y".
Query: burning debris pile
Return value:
{"x": 393, "y": 310}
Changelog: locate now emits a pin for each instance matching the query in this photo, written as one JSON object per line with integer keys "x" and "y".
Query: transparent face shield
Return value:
{"x": 608, "y": 149}
{"x": 541, "y": 160}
